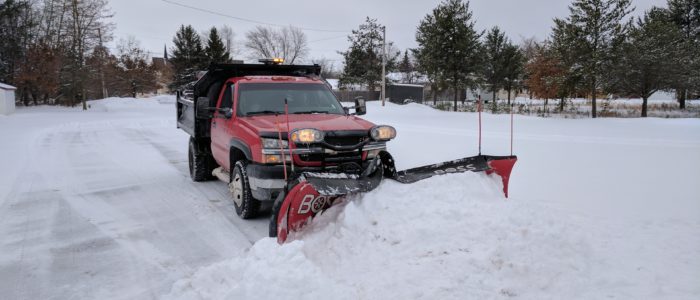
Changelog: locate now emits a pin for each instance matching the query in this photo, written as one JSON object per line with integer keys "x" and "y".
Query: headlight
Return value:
{"x": 307, "y": 136}
{"x": 268, "y": 143}
{"x": 382, "y": 133}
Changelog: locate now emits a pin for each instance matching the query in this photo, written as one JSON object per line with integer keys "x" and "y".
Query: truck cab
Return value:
{"x": 256, "y": 126}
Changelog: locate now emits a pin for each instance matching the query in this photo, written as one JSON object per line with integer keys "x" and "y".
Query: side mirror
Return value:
{"x": 360, "y": 106}
{"x": 202, "y": 109}
{"x": 228, "y": 113}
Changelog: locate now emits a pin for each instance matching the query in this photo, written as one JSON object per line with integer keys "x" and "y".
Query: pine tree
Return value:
{"x": 449, "y": 50}
{"x": 363, "y": 60}
{"x": 513, "y": 68}
{"x": 686, "y": 15}
{"x": 187, "y": 57}
{"x": 564, "y": 49}
{"x": 494, "y": 61}
{"x": 216, "y": 50}
{"x": 648, "y": 56}
{"x": 592, "y": 31}
{"x": 406, "y": 67}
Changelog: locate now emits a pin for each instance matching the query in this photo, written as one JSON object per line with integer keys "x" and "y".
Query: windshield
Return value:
{"x": 268, "y": 98}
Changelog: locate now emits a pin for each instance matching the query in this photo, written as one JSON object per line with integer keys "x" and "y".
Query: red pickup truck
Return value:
{"x": 241, "y": 117}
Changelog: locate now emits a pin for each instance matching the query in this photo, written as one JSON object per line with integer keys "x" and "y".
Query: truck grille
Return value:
{"x": 344, "y": 140}
{"x": 339, "y": 157}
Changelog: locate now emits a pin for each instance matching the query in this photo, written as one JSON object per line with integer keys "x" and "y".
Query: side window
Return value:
{"x": 227, "y": 101}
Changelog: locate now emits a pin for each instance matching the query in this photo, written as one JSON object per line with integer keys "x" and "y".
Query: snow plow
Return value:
{"x": 279, "y": 138}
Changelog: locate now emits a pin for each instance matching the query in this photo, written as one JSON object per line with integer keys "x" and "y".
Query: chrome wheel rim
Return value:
{"x": 236, "y": 188}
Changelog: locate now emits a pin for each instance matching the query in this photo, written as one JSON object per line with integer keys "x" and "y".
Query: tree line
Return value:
{"x": 598, "y": 50}
{"x": 54, "y": 52}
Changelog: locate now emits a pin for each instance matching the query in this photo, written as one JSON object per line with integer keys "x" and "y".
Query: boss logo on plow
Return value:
{"x": 458, "y": 169}
{"x": 313, "y": 204}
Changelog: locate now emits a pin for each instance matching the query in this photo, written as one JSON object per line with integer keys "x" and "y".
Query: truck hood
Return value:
{"x": 324, "y": 122}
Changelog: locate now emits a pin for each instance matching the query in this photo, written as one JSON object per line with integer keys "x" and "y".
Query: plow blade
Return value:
{"x": 314, "y": 192}
{"x": 501, "y": 165}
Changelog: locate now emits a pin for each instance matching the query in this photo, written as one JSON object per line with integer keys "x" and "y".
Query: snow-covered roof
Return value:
{"x": 7, "y": 87}
{"x": 406, "y": 84}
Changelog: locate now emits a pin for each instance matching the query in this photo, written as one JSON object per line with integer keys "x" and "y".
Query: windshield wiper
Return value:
{"x": 264, "y": 112}
{"x": 312, "y": 112}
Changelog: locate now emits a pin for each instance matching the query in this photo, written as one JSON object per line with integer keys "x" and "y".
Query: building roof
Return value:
{"x": 405, "y": 84}
{"x": 7, "y": 87}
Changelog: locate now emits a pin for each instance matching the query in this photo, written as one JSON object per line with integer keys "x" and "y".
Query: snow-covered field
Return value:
{"x": 660, "y": 105}
{"x": 99, "y": 205}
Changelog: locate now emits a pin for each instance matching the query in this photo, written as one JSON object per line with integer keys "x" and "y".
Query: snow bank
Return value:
{"x": 116, "y": 104}
{"x": 448, "y": 237}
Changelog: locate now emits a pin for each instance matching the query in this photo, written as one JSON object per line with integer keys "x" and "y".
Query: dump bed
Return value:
{"x": 189, "y": 96}
{"x": 186, "y": 112}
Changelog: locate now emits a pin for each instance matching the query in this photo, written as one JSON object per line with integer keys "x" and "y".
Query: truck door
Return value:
{"x": 221, "y": 131}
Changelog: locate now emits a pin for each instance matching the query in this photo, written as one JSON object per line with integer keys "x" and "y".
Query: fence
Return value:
{"x": 349, "y": 96}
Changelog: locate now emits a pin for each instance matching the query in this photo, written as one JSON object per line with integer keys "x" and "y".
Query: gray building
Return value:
{"x": 7, "y": 99}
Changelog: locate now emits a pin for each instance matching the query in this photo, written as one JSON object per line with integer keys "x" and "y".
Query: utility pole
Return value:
{"x": 383, "y": 64}
{"x": 101, "y": 64}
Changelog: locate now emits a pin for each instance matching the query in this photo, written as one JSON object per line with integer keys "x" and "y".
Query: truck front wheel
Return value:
{"x": 246, "y": 206}
{"x": 200, "y": 162}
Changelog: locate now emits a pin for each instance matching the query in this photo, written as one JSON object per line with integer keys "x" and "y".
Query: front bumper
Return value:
{"x": 266, "y": 181}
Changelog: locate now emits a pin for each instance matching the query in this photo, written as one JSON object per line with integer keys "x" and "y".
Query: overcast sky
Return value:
{"x": 154, "y": 22}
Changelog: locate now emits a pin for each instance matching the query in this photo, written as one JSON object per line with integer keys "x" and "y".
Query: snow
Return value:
{"x": 8, "y": 87}
{"x": 98, "y": 204}
{"x": 333, "y": 83}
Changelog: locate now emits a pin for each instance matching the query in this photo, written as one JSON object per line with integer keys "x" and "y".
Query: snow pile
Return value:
{"x": 448, "y": 237}
{"x": 116, "y": 104}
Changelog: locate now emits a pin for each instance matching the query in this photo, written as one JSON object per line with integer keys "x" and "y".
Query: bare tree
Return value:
{"x": 86, "y": 21}
{"x": 288, "y": 43}
{"x": 328, "y": 69}
{"x": 228, "y": 36}
{"x": 133, "y": 72}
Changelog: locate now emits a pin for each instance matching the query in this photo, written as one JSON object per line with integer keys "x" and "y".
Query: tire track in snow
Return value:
{"x": 215, "y": 192}
{"x": 121, "y": 225}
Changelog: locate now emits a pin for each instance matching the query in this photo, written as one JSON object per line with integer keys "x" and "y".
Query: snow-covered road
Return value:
{"x": 99, "y": 205}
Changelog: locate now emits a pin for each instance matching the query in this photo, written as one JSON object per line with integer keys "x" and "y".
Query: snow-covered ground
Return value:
{"x": 659, "y": 105}
{"x": 98, "y": 204}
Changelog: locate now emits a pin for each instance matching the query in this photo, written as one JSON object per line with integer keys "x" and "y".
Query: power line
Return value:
{"x": 246, "y": 20}
{"x": 326, "y": 39}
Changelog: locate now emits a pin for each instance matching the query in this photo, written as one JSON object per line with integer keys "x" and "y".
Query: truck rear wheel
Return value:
{"x": 200, "y": 162}
{"x": 246, "y": 206}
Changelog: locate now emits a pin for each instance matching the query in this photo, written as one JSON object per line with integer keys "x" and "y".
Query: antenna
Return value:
{"x": 289, "y": 134}
{"x": 479, "y": 109}
{"x": 284, "y": 159}
{"x": 512, "y": 105}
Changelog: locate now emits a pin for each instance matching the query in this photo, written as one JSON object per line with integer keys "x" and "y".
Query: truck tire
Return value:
{"x": 246, "y": 206}
{"x": 200, "y": 162}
